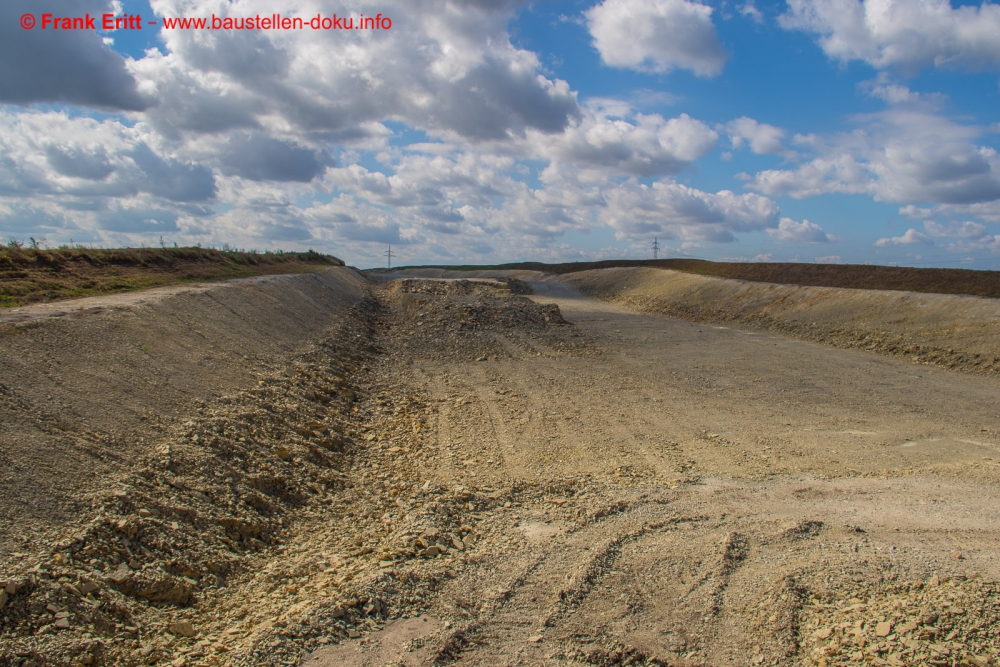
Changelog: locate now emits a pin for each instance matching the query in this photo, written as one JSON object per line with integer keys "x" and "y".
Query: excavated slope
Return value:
{"x": 86, "y": 386}
{"x": 958, "y": 332}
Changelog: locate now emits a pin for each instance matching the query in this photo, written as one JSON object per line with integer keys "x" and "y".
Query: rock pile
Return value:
{"x": 464, "y": 318}
{"x": 941, "y": 621}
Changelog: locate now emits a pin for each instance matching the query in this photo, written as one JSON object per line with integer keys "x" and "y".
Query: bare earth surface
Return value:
{"x": 453, "y": 474}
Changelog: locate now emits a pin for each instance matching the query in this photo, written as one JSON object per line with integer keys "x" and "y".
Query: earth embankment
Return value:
{"x": 86, "y": 386}
{"x": 958, "y": 332}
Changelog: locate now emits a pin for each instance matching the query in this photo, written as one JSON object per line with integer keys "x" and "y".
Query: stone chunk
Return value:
{"x": 182, "y": 629}
{"x": 975, "y": 661}
{"x": 121, "y": 575}
{"x": 883, "y": 629}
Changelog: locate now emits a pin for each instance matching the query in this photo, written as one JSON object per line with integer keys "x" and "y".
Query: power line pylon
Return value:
{"x": 656, "y": 247}
{"x": 389, "y": 254}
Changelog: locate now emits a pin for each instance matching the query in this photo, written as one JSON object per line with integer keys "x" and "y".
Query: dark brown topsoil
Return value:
{"x": 855, "y": 276}
{"x": 30, "y": 276}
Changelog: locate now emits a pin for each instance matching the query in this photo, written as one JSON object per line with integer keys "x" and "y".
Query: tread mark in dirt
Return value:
{"x": 595, "y": 568}
{"x": 734, "y": 551}
{"x": 489, "y": 408}
{"x": 458, "y": 639}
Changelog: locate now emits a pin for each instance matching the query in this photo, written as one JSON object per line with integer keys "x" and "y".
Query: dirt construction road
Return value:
{"x": 689, "y": 494}
{"x": 623, "y": 489}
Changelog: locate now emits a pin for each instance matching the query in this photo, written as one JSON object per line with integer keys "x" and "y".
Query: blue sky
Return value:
{"x": 473, "y": 132}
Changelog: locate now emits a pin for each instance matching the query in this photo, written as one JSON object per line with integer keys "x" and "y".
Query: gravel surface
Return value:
{"x": 455, "y": 472}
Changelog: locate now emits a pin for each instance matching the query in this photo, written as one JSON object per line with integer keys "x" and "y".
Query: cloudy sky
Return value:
{"x": 485, "y": 131}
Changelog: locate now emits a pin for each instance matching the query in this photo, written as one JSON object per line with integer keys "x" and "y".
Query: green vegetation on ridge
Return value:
{"x": 31, "y": 275}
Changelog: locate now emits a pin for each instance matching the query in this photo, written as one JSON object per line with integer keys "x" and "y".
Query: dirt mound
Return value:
{"x": 953, "y": 332}
{"x": 494, "y": 287}
{"x": 455, "y": 309}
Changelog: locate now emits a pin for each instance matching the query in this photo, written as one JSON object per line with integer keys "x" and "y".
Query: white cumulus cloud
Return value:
{"x": 905, "y": 34}
{"x": 683, "y": 212}
{"x": 295, "y": 139}
{"x": 79, "y": 159}
{"x": 988, "y": 243}
{"x": 897, "y": 155}
{"x": 762, "y": 138}
{"x": 804, "y": 232}
{"x": 648, "y": 145}
{"x": 656, "y": 36}
{"x": 916, "y": 212}
{"x": 451, "y": 70}
{"x": 963, "y": 230}
{"x": 911, "y": 237}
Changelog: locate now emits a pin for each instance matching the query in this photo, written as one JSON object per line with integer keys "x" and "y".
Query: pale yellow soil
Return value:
{"x": 957, "y": 332}
{"x": 622, "y": 489}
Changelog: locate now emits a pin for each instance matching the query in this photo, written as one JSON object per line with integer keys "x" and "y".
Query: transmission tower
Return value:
{"x": 656, "y": 247}
{"x": 389, "y": 254}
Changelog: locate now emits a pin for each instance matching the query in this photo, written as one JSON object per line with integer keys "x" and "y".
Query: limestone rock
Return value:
{"x": 121, "y": 574}
{"x": 182, "y": 629}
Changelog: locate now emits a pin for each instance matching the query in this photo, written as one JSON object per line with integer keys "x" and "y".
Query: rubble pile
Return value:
{"x": 465, "y": 319}
{"x": 941, "y": 621}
